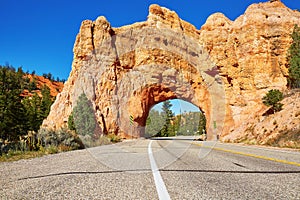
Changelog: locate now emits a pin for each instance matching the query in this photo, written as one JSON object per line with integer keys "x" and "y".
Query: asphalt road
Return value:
{"x": 177, "y": 168}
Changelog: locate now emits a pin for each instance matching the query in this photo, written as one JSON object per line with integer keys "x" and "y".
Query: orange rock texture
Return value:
{"x": 225, "y": 68}
{"x": 54, "y": 86}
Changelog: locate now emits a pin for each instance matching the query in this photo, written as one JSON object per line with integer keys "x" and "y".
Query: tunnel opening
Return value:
{"x": 142, "y": 101}
{"x": 175, "y": 117}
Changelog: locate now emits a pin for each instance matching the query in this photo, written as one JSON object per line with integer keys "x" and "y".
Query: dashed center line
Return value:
{"x": 159, "y": 183}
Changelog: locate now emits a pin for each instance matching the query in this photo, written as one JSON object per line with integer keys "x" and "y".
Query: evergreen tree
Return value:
{"x": 84, "y": 117}
{"x": 12, "y": 112}
{"x": 202, "y": 123}
{"x": 32, "y": 85}
{"x": 167, "y": 129}
{"x": 273, "y": 98}
{"x": 34, "y": 114}
{"x": 46, "y": 101}
{"x": 294, "y": 59}
{"x": 49, "y": 76}
{"x": 18, "y": 115}
{"x": 176, "y": 124}
{"x": 154, "y": 123}
{"x": 71, "y": 124}
{"x": 192, "y": 123}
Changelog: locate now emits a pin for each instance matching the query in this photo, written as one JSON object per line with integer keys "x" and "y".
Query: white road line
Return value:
{"x": 159, "y": 183}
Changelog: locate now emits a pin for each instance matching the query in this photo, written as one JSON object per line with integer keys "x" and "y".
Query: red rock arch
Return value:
{"x": 119, "y": 69}
{"x": 155, "y": 80}
{"x": 249, "y": 65}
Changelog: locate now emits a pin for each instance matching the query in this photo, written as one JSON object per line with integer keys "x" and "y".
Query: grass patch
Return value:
{"x": 114, "y": 138}
{"x": 65, "y": 145}
{"x": 18, "y": 155}
{"x": 14, "y": 155}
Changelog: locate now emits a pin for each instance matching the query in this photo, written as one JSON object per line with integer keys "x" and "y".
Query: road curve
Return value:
{"x": 188, "y": 170}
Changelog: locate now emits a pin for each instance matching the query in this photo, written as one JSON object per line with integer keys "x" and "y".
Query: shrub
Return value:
{"x": 63, "y": 138}
{"x": 114, "y": 138}
{"x": 51, "y": 149}
{"x": 294, "y": 59}
{"x": 273, "y": 98}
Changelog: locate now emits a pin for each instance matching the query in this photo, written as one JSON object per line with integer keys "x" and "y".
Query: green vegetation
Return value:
{"x": 294, "y": 59}
{"x": 161, "y": 124}
{"x": 63, "y": 139}
{"x": 84, "y": 117}
{"x": 71, "y": 124}
{"x": 192, "y": 123}
{"x": 33, "y": 141}
{"x": 12, "y": 111}
{"x": 13, "y": 155}
{"x": 37, "y": 108}
{"x": 273, "y": 98}
{"x": 165, "y": 124}
{"x": 42, "y": 143}
{"x": 32, "y": 85}
{"x": 21, "y": 116}
{"x": 51, "y": 77}
{"x": 113, "y": 138}
{"x": 167, "y": 129}
{"x": 82, "y": 122}
{"x": 154, "y": 123}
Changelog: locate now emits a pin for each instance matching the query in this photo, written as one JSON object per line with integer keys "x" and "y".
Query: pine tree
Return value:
{"x": 32, "y": 85}
{"x": 71, "y": 124}
{"x": 18, "y": 115}
{"x": 273, "y": 98}
{"x": 12, "y": 112}
{"x": 84, "y": 117}
{"x": 202, "y": 123}
{"x": 294, "y": 59}
{"x": 168, "y": 115}
{"x": 176, "y": 124}
{"x": 154, "y": 123}
{"x": 33, "y": 112}
{"x": 46, "y": 101}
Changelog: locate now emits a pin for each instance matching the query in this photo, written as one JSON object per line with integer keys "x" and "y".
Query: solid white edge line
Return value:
{"x": 159, "y": 183}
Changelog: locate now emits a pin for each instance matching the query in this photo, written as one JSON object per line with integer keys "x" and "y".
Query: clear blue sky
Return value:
{"x": 39, "y": 34}
{"x": 178, "y": 106}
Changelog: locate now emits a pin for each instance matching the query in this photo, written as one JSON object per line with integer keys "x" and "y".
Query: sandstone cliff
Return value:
{"x": 251, "y": 55}
{"x": 281, "y": 129}
{"x": 125, "y": 71}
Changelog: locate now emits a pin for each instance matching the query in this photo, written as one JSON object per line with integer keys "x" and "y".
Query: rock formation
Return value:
{"x": 224, "y": 68}
{"x": 54, "y": 86}
{"x": 281, "y": 129}
{"x": 251, "y": 55}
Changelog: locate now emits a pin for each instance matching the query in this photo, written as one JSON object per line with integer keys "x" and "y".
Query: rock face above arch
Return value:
{"x": 160, "y": 58}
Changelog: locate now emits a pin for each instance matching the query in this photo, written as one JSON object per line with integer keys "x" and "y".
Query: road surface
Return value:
{"x": 177, "y": 168}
